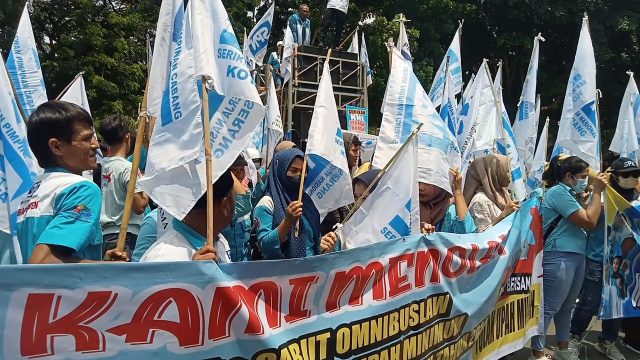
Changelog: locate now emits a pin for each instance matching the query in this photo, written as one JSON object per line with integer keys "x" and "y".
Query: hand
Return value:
{"x": 456, "y": 183}
{"x": 245, "y": 182}
{"x": 294, "y": 211}
{"x": 116, "y": 255}
{"x": 511, "y": 207}
{"x": 328, "y": 243}
{"x": 206, "y": 253}
{"x": 600, "y": 183}
{"x": 427, "y": 228}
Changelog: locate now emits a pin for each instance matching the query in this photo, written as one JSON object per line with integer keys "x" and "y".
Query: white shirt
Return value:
{"x": 342, "y": 5}
{"x": 174, "y": 246}
{"x": 483, "y": 211}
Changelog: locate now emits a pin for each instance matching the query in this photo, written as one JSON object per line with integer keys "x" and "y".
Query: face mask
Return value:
{"x": 292, "y": 182}
{"x": 627, "y": 183}
{"x": 580, "y": 186}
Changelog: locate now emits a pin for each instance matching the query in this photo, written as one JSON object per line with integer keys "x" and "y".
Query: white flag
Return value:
{"x": 354, "y": 48}
{"x": 579, "y": 130}
{"x": 256, "y": 43}
{"x": 525, "y": 127}
{"x": 507, "y": 145}
{"x": 328, "y": 180}
{"x": 77, "y": 94}
{"x": 174, "y": 101}
{"x": 479, "y": 124}
{"x": 534, "y": 180}
{"x": 23, "y": 64}
{"x": 449, "y": 106}
{"x": 454, "y": 66}
{"x": 403, "y": 42}
{"x": 364, "y": 57}
{"x": 235, "y": 107}
{"x": 19, "y": 167}
{"x": 406, "y": 105}
{"x": 392, "y": 210}
{"x": 274, "y": 131}
{"x": 287, "y": 55}
{"x": 624, "y": 140}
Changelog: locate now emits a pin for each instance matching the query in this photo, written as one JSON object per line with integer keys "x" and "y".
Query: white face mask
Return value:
{"x": 627, "y": 183}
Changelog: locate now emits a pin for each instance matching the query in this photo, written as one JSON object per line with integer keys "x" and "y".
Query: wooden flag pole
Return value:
{"x": 347, "y": 38}
{"x": 208, "y": 159}
{"x": 301, "y": 190}
{"x": 64, "y": 91}
{"x": 133, "y": 178}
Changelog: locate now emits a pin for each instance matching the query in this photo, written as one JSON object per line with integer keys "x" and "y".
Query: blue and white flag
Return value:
{"x": 525, "y": 127}
{"x": 174, "y": 101}
{"x": 534, "y": 179}
{"x": 480, "y": 123}
{"x": 452, "y": 63}
{"x": 403, "y": 42}
{"x": 19, "y": 167}
{"x": 287, "y": 55}
{"x": 579, "y": 129}
{"x": 507, "y": 145}
{"x": 392, "y": 210}
{"x": 328, "y": 180}
{"x": 256, "y": 43}
{"x": 274, "y": 126}
{"x": 624, "y": 140}
{"x": 449, "y": 106}
{"x": 364, "y": 58}
{"x": 77, "y": 94}
{"x": 23, "y": 64}
{"x": 463, "y": 109}
{"x": 235, "y": 107}
{"x": 406, "y": 104}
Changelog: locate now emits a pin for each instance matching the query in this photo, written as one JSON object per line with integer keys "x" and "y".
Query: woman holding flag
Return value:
{"x": 439, "y": 211}
{"x": 279, "y": 212}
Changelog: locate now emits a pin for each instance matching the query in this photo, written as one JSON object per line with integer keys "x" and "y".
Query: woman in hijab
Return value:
{"x": 486, "y": 191}
{"x": 362, "y": 182}
{"x": 441, "y": 212}
{"x": 278, "y": 212}
{"x": 352, "y": 149}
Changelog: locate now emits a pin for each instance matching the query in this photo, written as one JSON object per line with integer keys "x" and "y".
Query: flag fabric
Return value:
{"x": 479, "y": 123}
{"x": 525, "y": 127}
{"x": 534, "y": 179}
{"x": 328, "y": 180}
{"x": 403, "y": 42}
{"x": 449, "y": 106}
{"x": 77, "y": 94}
{"x": 579, "y": 129}
{"x": 18, "y": 165}
{"x": 463, "y": 110}
{"x": 354, "y": 47}
{"x": 452, "y": 63}
{"x": 405, "y": 105}
{"x": 625, "y": 141}
{"x": 174, "y": 101}
{"x": 621, "y": 260}
{"x": 235, "y": 107}
{"x": 364, "y": 58}
{"x": 287, "y": 55}
{"x": 392, "y": 210}
{"x": 23, "y": 65}
{"x": 507, "y": 145}
{"x": 274, "y": 127}
{"x": 256, "y": 44}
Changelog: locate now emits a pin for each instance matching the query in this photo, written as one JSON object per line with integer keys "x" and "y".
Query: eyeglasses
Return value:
{"x": 630, "y": 174}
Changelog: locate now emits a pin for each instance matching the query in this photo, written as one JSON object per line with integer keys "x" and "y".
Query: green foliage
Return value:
{"x": 106, "y": 39}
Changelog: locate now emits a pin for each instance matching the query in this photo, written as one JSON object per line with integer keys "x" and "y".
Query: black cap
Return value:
{"x": 625, "y": 165}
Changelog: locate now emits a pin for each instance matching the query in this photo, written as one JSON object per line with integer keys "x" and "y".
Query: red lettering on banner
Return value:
{"x": 228, "y": 300}
{"x": 298, "y": 299}
{"x": 397, "y": 282}
{"x": 147, "y": 319}
{"x": 360, "y": 277}
{"x": 423, "y": 259}
{"x": 494, "y": 246}
{"x": 447, "y": 265}
{"x": 41, "y": 323}
{"x": 473, "y": 264}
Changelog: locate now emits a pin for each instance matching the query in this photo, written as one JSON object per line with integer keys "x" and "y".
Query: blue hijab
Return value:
{"x": 283, "y": 190}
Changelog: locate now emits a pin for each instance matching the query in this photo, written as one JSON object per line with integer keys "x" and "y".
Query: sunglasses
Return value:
{"x": 630, "y": 174}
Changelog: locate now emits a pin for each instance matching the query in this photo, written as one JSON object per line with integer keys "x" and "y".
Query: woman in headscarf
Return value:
{"x": 441, "y": 212}
{"x": 352, "y": 149}
{"x": 486, "y": 191}
{"x": 278, "y": 212}
{"x": 362, "y": 182}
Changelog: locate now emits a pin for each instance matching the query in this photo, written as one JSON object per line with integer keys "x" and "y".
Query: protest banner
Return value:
{"x": 621, "y": 261}
{"x": 357, "y": 119}
{"x": 421, "y": 297}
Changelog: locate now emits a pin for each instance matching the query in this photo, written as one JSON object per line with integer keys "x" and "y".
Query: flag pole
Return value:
{"x": 208, "y": 159}
{"x": 64, "y": 91}
{"x": 384, "y": 170}
{"x": 133, "y": 178}
{"x": 347, "y": 38}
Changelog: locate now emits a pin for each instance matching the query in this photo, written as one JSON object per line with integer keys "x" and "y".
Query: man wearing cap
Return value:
{"x": 623, "y": 179}
{"x": 300, "y": 26}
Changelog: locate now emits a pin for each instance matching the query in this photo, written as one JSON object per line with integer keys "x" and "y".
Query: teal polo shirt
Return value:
{"x": 567, "y": 237}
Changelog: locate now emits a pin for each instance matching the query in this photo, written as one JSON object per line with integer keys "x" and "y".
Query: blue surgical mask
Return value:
{"x": 580, "y": 186}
